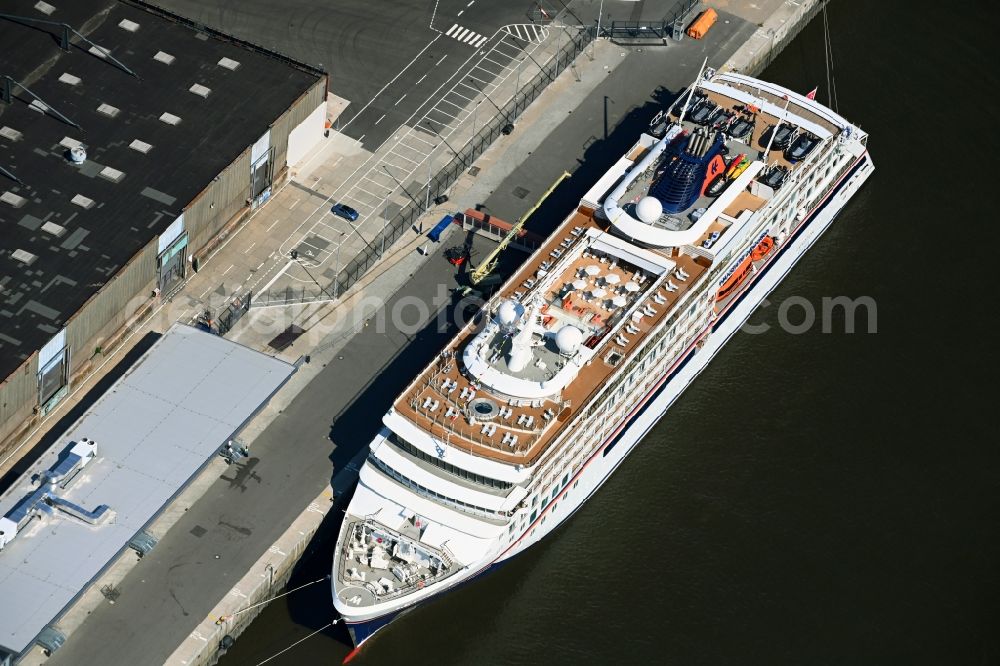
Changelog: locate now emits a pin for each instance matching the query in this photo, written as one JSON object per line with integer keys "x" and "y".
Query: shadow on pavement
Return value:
{"x": 598, "y": 156}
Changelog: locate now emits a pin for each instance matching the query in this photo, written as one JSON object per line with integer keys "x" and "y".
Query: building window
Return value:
{"x": 534, "y": 514}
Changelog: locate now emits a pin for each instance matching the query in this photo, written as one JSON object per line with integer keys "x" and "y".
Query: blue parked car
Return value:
{"x": 344, "y": 211}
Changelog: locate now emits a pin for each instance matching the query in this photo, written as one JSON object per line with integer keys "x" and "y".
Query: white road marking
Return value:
{"x": 471, "y": 3}
{"x": 421, "y": 79}
{"x": 380, "y": 119}
{"x": 276, "y": 221}
{"x": 297, "y": 202}
{"x": 462, "y": 11}
{"x": 400, "y": 100}
{"x": 232, "y": 266}
{"x": 465, "y": 35}
{"x": 441, "y": 60}
{"x": 415, "y": 58}
{"x": 481, "y": 42}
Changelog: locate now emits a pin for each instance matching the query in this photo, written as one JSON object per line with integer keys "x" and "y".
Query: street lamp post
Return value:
{"x": 385, "y": 222}
{"x": 430, "y": 160}
{"x": 600, "y": 12}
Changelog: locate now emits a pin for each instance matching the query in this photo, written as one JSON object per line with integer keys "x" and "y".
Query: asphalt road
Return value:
{"x": 387, "y": 58}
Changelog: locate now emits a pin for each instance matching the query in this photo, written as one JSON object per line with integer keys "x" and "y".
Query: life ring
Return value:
{"x": 420, "y": 584}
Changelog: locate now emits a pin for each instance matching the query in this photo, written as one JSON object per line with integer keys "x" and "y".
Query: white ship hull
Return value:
{"x": 647, "y": 412}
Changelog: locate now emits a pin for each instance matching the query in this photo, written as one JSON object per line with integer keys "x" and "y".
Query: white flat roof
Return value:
{"x": 155, "y": 428}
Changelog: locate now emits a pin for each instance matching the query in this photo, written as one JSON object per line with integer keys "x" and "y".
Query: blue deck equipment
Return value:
{"x": 435, "y": 233}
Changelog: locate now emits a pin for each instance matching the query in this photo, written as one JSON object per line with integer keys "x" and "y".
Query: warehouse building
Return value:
{"x": 131, "y": 141}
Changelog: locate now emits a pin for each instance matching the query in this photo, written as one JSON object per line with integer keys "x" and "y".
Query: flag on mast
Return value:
{"x": 812, "y": 93}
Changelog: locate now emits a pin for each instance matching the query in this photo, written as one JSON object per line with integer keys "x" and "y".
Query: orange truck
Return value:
{"x": 701, "y": 25}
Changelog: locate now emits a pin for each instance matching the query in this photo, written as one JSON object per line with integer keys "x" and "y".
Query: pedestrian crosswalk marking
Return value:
{"x": 466, "y": 36}
{"x": 527, "y": 32}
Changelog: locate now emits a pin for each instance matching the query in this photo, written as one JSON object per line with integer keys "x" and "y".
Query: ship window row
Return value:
{"x": 448, "y": 467}
{"x": 423, "y": 490}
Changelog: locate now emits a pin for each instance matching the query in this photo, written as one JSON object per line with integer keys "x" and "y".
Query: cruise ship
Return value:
{"x": 533, "y": 405}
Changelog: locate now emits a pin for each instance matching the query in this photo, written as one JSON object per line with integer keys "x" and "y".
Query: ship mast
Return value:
{"x": 691, "y": 92}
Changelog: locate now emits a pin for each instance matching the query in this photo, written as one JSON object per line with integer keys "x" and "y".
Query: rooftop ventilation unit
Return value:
{"x": 77, "y": 155}
{"x": 44, "y": 500}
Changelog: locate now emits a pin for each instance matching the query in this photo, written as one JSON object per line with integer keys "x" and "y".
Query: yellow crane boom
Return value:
{"x": 487, "y": 265}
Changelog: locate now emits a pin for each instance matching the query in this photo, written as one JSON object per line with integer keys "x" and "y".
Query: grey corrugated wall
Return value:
{"x": 230, "y": 191}
{"x": 18, "y": 396}
{"x": 112, "y": 306}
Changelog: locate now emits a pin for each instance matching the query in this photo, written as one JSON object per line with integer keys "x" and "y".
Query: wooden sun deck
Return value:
{"x": 439, "y": 400}
{"x": 762, "y": 121}
{"x": 744, "y": 201}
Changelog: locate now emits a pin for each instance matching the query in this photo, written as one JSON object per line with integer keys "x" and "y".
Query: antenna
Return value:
{"x": 691, "y": 92}
{"x": 11, "y": 175}
{"x": 65, "y": 36}
{"x": 8, "y": 86}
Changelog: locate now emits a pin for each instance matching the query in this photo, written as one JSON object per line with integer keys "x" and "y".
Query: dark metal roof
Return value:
{"x": 78, "y": 248}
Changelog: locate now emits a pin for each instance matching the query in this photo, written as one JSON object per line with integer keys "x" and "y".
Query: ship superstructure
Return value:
{"x": 532, "y": 406}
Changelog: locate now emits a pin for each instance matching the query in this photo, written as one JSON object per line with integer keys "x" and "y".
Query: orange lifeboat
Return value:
{"x": 745, "y": 267}
{"x": 763, "y": 248}
{"x": 736, "y": 279}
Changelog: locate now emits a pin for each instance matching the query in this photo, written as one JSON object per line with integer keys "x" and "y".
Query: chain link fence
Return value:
{"x": 445, "y": 177}
{"x": 576, "y": 41}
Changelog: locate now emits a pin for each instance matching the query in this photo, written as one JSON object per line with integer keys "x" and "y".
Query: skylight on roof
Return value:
{"x": 200, "y": 90}
{"x": 10, "y": 133}
{"x": 112, "y": 174}
{"x": 140, "y": 146}
{"x": 13, "y": 199}
{"x": 24, "y": 256}
{"x": 229, "y": 63}
{"x": 125, "y": 24}
{"x": 70, "y": 142}
{"x": 170, "y": 119}
{"x": 82, "y": 201}
{"x": 45, "y": 8}
{"x": 66, "y": 77}
{"x": 163, "y": 57}
{"x": 108, "y": 110}
{"x": 54, "y": 229}
{"x": 99, "y": 51}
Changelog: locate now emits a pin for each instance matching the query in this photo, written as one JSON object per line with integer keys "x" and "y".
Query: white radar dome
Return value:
{"x": 649, "y": 209}
{"x": 568, "y": 339}
{"x": 507, "y": 313}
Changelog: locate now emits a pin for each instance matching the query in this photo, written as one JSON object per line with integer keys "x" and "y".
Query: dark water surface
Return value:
{"x": 811, "y": 499}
